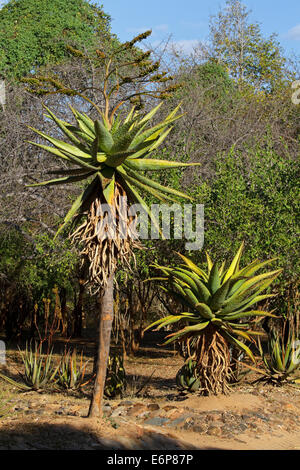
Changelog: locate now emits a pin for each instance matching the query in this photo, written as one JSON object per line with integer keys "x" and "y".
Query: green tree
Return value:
{"x": 256, "y": 200}
{"x": 240, "y": 46}
{"x": 34, "y": 34}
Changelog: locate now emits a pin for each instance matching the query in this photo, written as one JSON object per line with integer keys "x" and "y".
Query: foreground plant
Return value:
{"x": 282, "y": 358}
{"x": 115, "y": 383}
{"x": 39, "y": 369}
{"x": 71, "y": 371}
{"x": 187, "y": 377}
{"x": 217, "y": 301}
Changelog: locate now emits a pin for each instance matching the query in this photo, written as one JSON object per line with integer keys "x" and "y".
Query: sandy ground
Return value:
{"x": 55, "y": 421}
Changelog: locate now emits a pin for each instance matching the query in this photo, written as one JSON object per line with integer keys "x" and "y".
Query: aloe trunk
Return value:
{"x": 106, "y": 316}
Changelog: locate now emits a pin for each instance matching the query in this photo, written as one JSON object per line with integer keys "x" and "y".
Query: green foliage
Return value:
{"x": 283, "y": 358}
{"x": 187, "y": 377}
{"x": 216, "y": 298}
{"x": 240, "y": 46}
{"x": 71, "y": 373}
{"x": 39, "y": 369}
{"x": 37, "y": 264}
{"x": 115, "y": 383}
{"x": 254, "y": 198}
{"x": 34, "y": 34}
{"x": 112, "y": 153}
{"x": 213, "y": 82}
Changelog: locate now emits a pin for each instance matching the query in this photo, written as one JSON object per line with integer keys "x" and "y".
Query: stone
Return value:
{"x": 157, "y": 421}
{"x": 153, "y": 406}
{"x": 200, "y": 429}
{"x": 170, "y": 407}
{"x": 119, "y": 411}
{"x": 174, "y": 413}
{"x": 189, "y": 422}
{"x": 137, "y": 409}
{"x": 176, "y": 422}
{"x": 214, "y": 431}
{"x": 213, "y": 417}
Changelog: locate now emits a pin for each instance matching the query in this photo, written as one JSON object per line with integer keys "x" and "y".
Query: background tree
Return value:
{"x": 239, "y": 45}
{"x": 28, "y": 219}
{"x": 33, "y": 35}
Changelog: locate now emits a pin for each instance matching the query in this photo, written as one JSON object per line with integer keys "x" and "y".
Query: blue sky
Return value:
{"x": 187, "y": 20}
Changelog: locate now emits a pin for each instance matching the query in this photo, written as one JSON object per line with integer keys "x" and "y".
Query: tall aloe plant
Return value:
{"x": 111, "y": 155}
{"x": 217, "y": 302}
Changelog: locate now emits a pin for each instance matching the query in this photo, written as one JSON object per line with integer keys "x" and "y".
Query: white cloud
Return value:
{"x": 185, "y": 45}
{"x": 294, "y": 33}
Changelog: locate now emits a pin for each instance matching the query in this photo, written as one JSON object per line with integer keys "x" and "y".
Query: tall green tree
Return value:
{"x": 239, "y": 44}
{"x": 34, "y": 33}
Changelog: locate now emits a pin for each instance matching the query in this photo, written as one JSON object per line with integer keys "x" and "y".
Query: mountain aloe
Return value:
{"x": 217, "y": 302}
{"x": 112, "y": 157}
{"x": 110, "y": 154}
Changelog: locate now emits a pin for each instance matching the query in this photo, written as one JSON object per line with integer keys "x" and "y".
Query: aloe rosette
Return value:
{"x": 112, "y": 157}
{"x": 217, "y": 302}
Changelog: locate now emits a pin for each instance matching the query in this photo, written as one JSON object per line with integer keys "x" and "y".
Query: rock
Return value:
{"x": 174, "y": 413}
{"x": 169, "y": 408}
{"x": 176, "y": 422}
{"x": 157, "y": 421}
{"x": 213, "y": 417}
{"x": 214, "y": 431}
{"x": 137, "y": 409}
{"x": 189, "y": 422}
{"x": 33, "y": 405}
{"x": 153, "y": 406}
{"x": 200, "y": 429}
{"x": 242, "y": 427}
{"x": 107, "y": 410}
{"x": 154, "y": 414}
{"x": 73, "y": 413}
{"x": 126, "y": 403}
{"x": 119, "y": 411}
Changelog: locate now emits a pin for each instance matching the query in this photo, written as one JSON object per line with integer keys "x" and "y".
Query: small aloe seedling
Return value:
{"x": 116, "y": 377}
{"x": 283, "y": 358}
{"x": 187, "y": 377}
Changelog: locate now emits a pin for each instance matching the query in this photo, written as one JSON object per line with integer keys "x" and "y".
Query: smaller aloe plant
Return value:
{"x": 216, "y": 304}
{"x": 71, "y": 373}
{"x": 187, "y": 377}
{"x": 283, "y": 358}
{"x": 115, "y": 383}
{"x": 39, "y": 369}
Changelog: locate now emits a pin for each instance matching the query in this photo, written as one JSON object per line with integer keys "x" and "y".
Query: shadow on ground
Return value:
{"x": 44, "y": 436}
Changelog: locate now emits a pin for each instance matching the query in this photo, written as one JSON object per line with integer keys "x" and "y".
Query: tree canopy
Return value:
{"x": 33, "y": 34}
